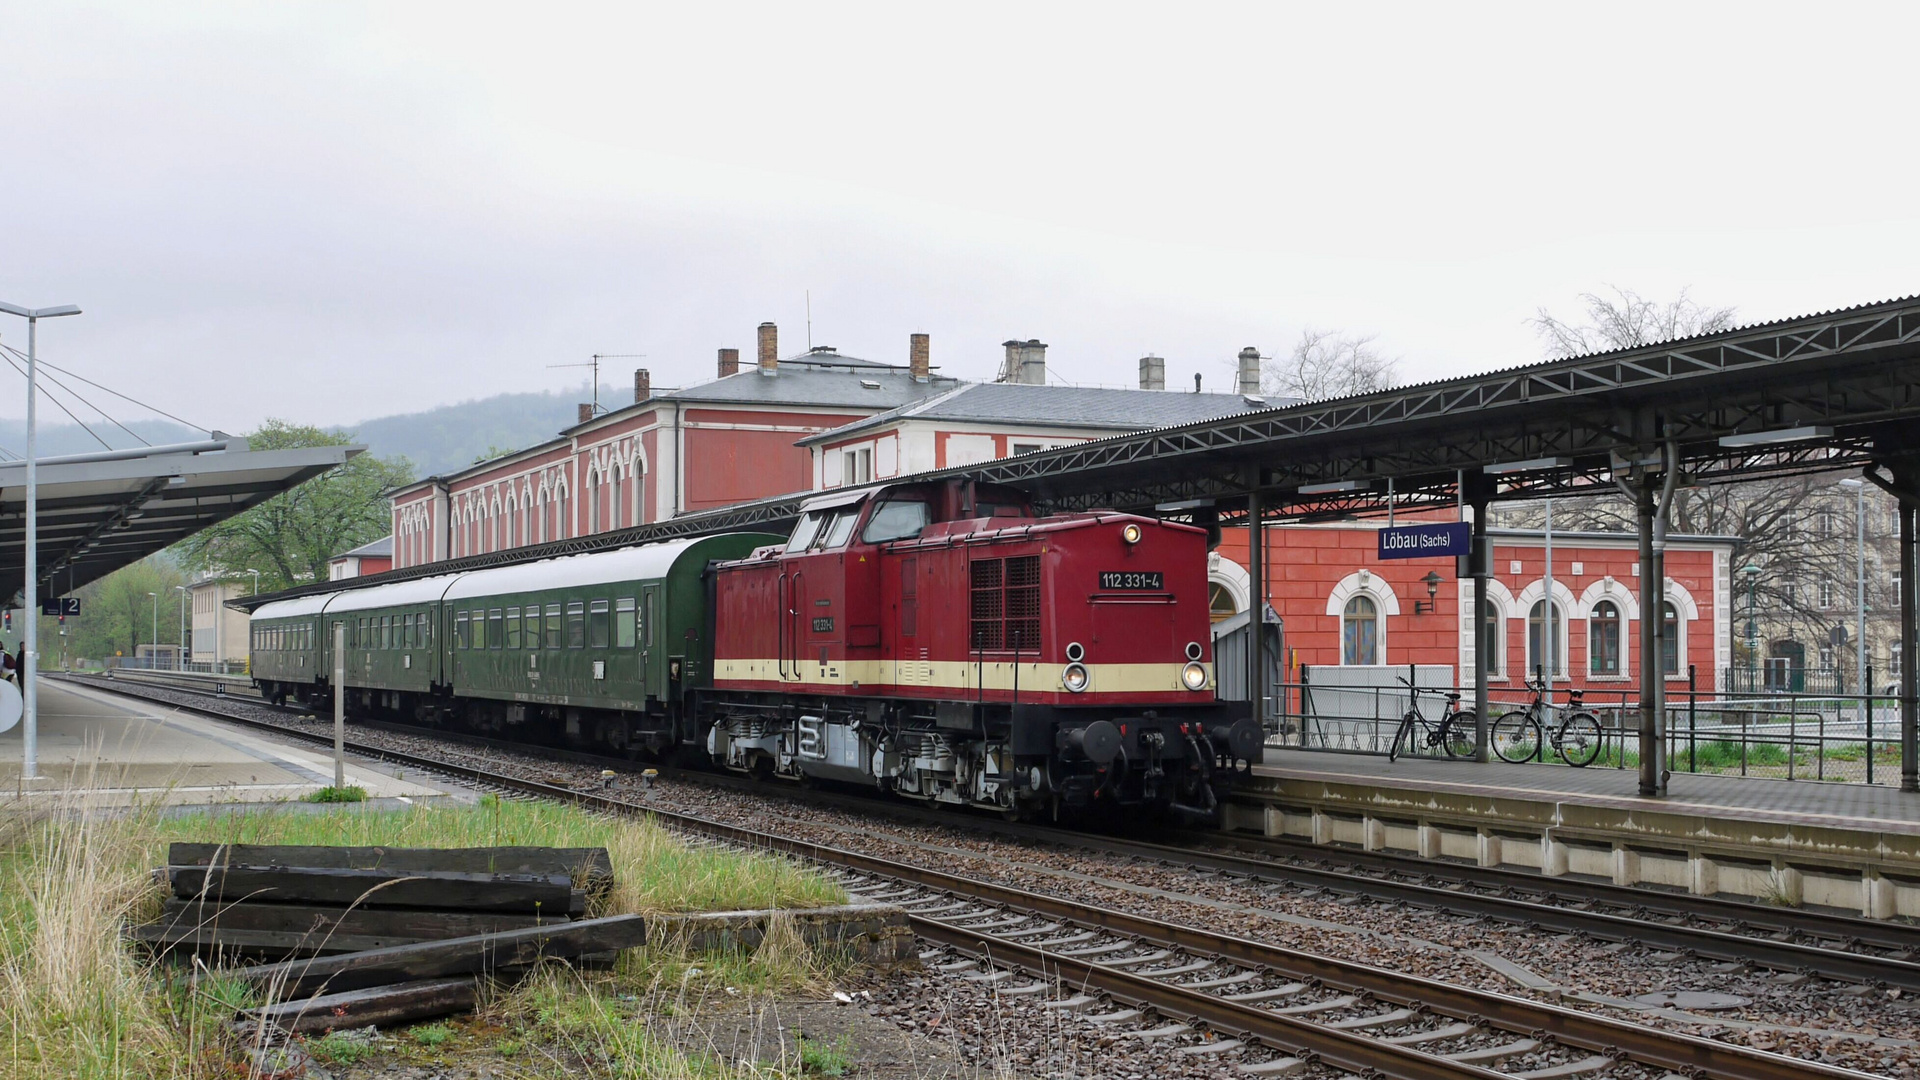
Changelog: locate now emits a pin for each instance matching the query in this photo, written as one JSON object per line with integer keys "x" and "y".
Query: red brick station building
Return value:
{"x": 820, "y": 419}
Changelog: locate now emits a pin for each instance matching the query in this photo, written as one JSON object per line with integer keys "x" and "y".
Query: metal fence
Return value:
{"x": 166, "y": 663}
{"x": 1776, "y": 734}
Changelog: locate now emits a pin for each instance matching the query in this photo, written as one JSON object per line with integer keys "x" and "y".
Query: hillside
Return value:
{"x": 435, "y": 440}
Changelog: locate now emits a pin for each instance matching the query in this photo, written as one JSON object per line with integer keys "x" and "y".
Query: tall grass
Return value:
{"x": 75, "y": 1001}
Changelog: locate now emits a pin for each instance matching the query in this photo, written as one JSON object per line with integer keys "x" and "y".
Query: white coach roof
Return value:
{"x": 417, "y": 591}
{"x": 646, "y": 563}
{"x": 288, "y": 609}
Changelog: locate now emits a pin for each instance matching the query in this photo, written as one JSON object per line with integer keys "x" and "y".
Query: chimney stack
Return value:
{"x": 642, "y": 384}
{"x": 769, "y": 349}
{"x": 1153, "y": 372}
{"x": 1250, "y": 371}
{"x": 729, "y": 362}
{"x": 919, "y": 357}
{"x": 586, "y": 412}
{"x": 1026, "y": 362}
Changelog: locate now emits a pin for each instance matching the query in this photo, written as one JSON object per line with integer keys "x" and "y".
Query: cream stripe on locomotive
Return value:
{"x": 957, "y": 675}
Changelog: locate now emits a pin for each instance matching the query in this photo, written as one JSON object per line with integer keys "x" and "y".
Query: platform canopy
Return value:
{"x": 99, "y": 512}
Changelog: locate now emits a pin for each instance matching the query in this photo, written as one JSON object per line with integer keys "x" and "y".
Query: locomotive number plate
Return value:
{"x": 823, "y": 624}
{"x": 1132, "y": 581}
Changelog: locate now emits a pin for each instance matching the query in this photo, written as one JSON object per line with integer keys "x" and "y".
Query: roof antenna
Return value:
{"x": 809, "y": 320}
{"x": 594, "y": 363}
{"x": 1196, "y": 382}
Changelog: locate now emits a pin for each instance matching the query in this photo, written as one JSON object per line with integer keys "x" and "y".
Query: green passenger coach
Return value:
{"x": 594, "y": 648}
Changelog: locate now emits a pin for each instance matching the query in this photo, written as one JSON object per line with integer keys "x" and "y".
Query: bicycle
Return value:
{"x": 1454, "y": 733}
{"x": 1577, "y": 739}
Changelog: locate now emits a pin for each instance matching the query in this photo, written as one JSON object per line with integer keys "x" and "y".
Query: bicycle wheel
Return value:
{"x": 1458, "y": 735}
{"x": 1581, "y": 739}
{"x": 1402, "y": 734}
{"x": 1515, "y": 737}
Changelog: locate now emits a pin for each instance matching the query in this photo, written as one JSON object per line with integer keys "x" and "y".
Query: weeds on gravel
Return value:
{"x": 826, "y": 1059}
{"x": 331, "y": 794}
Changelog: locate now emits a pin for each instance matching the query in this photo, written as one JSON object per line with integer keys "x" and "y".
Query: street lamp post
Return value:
{"x": 155, "y": 655}
{"x": 1865, "y": 711}
{"x": 179, "y": 652}
{"x": 256, "y": 582}
{"x": 1752, "y": 573}
{"x": 29, "y": 683}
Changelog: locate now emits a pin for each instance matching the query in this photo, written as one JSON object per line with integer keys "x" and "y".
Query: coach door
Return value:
{"x": 650, "y": 639}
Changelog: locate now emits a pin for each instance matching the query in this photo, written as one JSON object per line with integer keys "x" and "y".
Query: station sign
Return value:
{"x": 60, "y": 605}
{"x": 1426, "y": 541}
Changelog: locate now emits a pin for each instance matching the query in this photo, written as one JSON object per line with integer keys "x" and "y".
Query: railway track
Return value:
{"x": 1277, "y": 1011}
{"x": 1873, "y": 952}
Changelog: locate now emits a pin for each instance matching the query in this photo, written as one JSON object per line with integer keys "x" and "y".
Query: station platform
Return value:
{"x": 105, "y": 750}
{"x": 1844, "y": 846}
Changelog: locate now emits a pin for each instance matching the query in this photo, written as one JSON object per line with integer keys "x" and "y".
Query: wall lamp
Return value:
{"x": 1425, "y": 607}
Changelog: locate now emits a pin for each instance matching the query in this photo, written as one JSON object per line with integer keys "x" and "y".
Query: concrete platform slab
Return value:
{"x": 1844, "y": 846}
{"x": 111, "y": 750}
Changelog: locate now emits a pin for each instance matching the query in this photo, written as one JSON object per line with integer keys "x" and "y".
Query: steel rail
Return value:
{"x": 1724, "y": 945}
{"x": 1670, "y": 1050}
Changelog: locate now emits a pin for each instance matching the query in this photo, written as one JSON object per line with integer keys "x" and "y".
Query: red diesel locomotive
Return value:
{"x": 943, "y": 642}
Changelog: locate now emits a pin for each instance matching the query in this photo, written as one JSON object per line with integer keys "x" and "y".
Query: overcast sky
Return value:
{"x": 330, "y": 212}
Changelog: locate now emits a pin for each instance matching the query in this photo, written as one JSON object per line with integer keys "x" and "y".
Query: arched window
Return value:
{"x": 1220, "y": 602}
{"x": 1669, "y": 638}
{"x": 1496, "y": 624}
{"x": 1360, "y": 631}
{"x": 1537, "y": 660}
{"x": 513, "y": 523}
{"x": 1603, "y": 639}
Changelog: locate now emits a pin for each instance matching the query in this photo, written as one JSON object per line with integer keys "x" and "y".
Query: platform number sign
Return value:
{"x": 60, "y": 605}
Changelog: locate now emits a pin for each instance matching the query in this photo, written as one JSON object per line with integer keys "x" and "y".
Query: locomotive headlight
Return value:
{"x": 1194, "y": 675}
{"x": 1131, "y": 532}
{"x": 1074, "y": 678}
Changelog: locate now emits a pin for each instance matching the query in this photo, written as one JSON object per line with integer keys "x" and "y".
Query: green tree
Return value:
{"x": 290, "y": 537}
{"x": 118, "y": 614}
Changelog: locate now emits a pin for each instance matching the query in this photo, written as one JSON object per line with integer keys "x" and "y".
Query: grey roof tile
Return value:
{"x": 1062, "y": 406}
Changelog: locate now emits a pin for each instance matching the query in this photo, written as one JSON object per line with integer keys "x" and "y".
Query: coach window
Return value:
{"x": 532, "y": 628}
{"x": 896, "y": 520}
{"x": 462, "y": 630}
{"x": 494, "y": 635}
{"x": 553, "y": 626}
{"x": 1603, "y": 639}
{"x": 597, "y": 624}
{"x": 1360, "y": 631}
{"x": 576, "y": 624}
{"x": 513, "y": 628}
{"x": 623, "y": 617}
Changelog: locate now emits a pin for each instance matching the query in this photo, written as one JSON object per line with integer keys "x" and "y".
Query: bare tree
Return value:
{"x": 1626, "y": 320}
{"x": 1325, "y": 364}
{"x": 1799, "y": 531}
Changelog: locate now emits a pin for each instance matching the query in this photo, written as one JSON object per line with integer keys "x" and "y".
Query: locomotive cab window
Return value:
{"x": 840, "y": 530}
{"x": 623, "y": 620}
{"x": 597, "y": 624}
{"x": 804, "y": 533}
{"x": 896, "y": 519}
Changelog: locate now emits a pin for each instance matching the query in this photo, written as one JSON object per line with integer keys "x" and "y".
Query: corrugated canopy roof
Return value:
{"x": 99, "y": 512}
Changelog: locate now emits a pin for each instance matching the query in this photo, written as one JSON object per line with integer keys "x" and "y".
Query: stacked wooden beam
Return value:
{"x": 358, "y": 935}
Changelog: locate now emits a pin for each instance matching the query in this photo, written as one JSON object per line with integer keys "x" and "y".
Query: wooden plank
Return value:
{"x": 383, "y": 1006}
{"x": 422, "y": 925}
{"x": 233, "y": 944}
{"x": 526, "y": 893}
{"x": 473, "y": 955}
{"x": 582, "y": 864}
